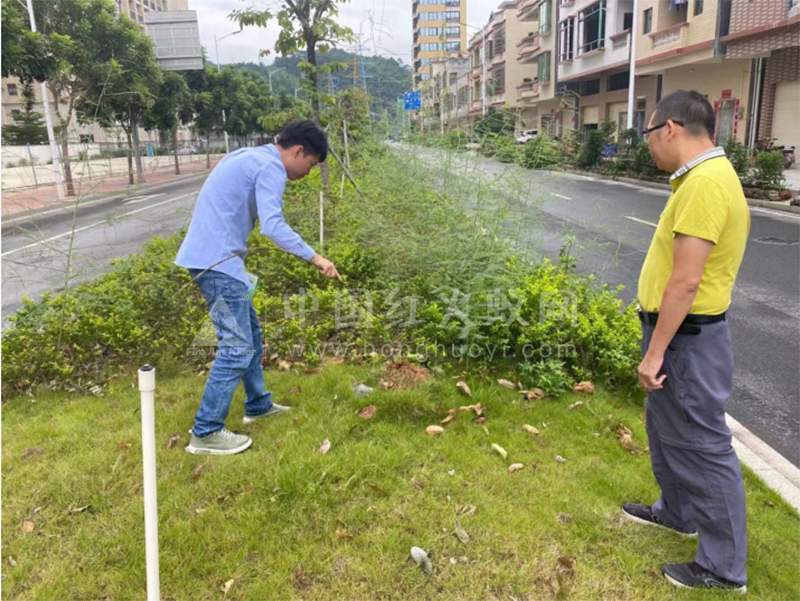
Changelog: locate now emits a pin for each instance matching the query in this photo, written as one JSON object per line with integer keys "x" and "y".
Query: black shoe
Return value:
{"x": 644, "y": 515}
{"x": 692, "y": 575}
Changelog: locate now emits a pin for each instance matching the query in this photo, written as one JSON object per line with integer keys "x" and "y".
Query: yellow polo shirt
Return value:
{"x": 707, "y": 202}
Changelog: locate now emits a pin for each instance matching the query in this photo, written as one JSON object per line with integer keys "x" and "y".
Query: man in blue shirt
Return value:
{"x": 246, "y": 185}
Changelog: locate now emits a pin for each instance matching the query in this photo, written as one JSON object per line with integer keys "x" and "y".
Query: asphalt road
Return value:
{"x": 612, "y": 223}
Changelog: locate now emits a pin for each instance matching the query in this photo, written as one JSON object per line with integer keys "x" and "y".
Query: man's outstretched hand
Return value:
{"x": 327, "y": 268}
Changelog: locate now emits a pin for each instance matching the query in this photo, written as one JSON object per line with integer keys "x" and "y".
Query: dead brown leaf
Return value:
{"x": 460, "y": 533}
{"x": 434, "y": 430}
{"x": 451, "y": 415}
{"x": 325, "y": 446}
{"x": 80, "y": 509}
{"x": 342, "y": 534}
{"x": 530, "y": 429}
{"x": 172, "y": 440}
{"x": 294, "y": 390}
{"x": 769, "y": 503}
{"x": 197, "y": 471}
{"x": 585, "y": 387}
{"x": 477, "y": 408}
{"x": 11, "y": 562}
{"x": 514, "y": 467}
{"x": 28, "y": 526}
{"x": 462, "y": 386}
{"x": 479, "y": 420}
{"x": 336, "y": 359}
{"x": 284, "y": 366}
{"x": 533, "y": 395}
{"x": 418, "y": 483}
{"x": 123, "y": 445}
{"x": 227, "y": 586}
{"x": 367, "y": 412}
{"x": 575, "y": 405}
{"x": 507, "y": 384}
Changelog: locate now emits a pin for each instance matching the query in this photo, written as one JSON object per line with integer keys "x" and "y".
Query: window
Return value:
{"x": 453, "y": 79}
{"x": 588, "y": 88}
{"x": 453, "y": 46}
{"x": 430, "y": 31}
{"x": 434, "y": 16}
{"x": 592, "y": 28}
{"x": 627, "y": 21}
{"x": 500, "y": 43}
{"x": 430, "y": 47}
{"x": 698, "y": 7}
{"x": 619, "y": 81}
{"x": 647, "y": 22}
{"x": 566, "y": 32}
{"x": 545, "y": 10}
{"x": 499, "y": 81}
{"x": 424, "y": 62}
{"x": 12, "y": 89}
{"x": 452, "y": 15}
{"x": 453, "y": 31}
{"x": 544, "y": 67}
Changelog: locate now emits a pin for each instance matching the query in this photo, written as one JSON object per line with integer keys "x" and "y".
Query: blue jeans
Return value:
{"x": 239, "y": 352}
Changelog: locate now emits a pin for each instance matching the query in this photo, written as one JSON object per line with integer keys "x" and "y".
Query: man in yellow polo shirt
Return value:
{"x": 687, "y": 367}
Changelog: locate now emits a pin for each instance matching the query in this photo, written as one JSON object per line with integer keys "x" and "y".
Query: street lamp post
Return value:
{"x": 269, "y": 75}
{"x": 219, "y": 69}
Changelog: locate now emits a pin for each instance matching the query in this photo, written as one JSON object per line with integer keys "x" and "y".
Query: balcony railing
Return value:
{"x": 528, "y": 89}
{"x": 524, "y": 11}
{"x": 620, "y": 40}
{"x": 529, "y": 45}
{"x": 591, "y": 46}
{"x": 674, "y": 36}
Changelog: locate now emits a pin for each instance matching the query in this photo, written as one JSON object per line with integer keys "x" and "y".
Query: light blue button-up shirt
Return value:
{"x": 245, "y": 185}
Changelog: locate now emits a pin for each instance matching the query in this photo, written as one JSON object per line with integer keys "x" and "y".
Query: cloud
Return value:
{"x": 384, "y": 27}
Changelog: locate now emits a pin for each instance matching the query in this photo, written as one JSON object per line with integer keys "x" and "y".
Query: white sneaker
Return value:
{"x": 274, "y": 410}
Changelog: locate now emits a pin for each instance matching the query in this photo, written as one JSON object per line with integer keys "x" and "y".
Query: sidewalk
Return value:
{"x": 85, "y": 189}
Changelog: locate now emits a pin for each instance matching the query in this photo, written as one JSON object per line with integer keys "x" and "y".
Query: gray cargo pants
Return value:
{"x": 690, "y": 448}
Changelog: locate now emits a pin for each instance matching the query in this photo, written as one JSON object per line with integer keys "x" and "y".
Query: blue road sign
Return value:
{"x": 412, "y": 101}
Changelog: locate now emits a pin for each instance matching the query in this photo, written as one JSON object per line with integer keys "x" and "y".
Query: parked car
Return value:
{"x": 187, "y": 150}
{"x": 527, "y": 135}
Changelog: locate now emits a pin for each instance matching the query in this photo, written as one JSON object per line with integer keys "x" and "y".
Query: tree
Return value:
{"x": 172, "y": 106}
{"x": 28, "y": 127}
{"x": 23, "y": 51}
{"x": 206, "y": 107}
{"x": 305, "y": 24}
{"x": 122, "y": 89}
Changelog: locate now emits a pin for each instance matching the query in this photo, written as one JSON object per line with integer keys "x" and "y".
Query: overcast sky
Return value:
{"x": 385, "y": 27}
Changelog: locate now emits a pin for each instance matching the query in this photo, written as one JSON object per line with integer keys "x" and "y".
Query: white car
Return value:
{"x": 527, "y": 135}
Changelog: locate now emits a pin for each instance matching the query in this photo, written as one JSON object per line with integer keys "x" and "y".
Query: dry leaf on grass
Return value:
{"x": 325, "y": 446}
{"x": 197, "y": 471}
{"x": 422, "y": 559}
{"x": 451, "y": 415}
{"x": 28, "y": 526}
{"x": 585, "y": 387}
{"x": 460, "y": 533}
{"x": 434, "y": 430}
{"x": 507, "y": 384}
{"x": 80, "y": 509}
{"x": 343, "y": 534}
{"x": 626, "y": 438}
{"x": 11, "y": 562}
{"x": 514, "y": 467}
{"x": 418, "y": 483}
{"x": 284, "y": 366}
{"x": 294, "y": 390}
{"x": 575, "y": 405}
{"x": 530, "y": 429}
{"x": 769, "y": 503}
{"x": 227, "y": 586}
{"x": 367, "y": 412}
{"x": 564, "y": 518}
{"x": 479, "y": 420}
{"x": 462, "y": 386}
{"x": 533, "y": 395}
{"x": 477, "y": 408}
{"x": 485, "y": 430}
{"x": 560, "y": 459}
{"x": 500, "y": 450}
{"x": 172, "y": 440}
{"x": 123, "y": 445}
{"x": 336, "y": 359}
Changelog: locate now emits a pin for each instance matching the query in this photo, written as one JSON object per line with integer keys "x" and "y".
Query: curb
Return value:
{"x": 776, "y": 471}
{"x": 753, "y": 202}
{"x": 142, "y": 189}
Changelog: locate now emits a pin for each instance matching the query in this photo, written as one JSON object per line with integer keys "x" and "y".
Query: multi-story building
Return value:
{"x": 439, "y": 30}
{"x": 448, "y": 94}
{"x": 679, "y": 42}
{"x": 496, "y": 72}
{"x": 91, "y": 132}
{"x": 768, "y": 33}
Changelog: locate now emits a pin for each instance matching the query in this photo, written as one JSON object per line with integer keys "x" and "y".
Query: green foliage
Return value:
{"x": 608, "y": 129}
{"x": 28, "y": 127}
{"x": 739, "y": 156}
{"x": 642, "y": 161}
{"x": 539, "y": 153}
{"x": 591, "y": 153}
{"x": 456, "y": 139}
{"x": 768, "y": 171}
{"x": 494, "y": 122}
{"x": 500, "y": 147}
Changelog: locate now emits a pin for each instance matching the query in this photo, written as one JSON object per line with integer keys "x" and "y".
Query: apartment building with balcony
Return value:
{"x": 440, "y": 30}
{"x": 768, "y": 34}
{"x": 494, "y": 57}
{"x": 448, "y": 94}
{"x": 594, "y": 52}
{"x": 679, "y": 42}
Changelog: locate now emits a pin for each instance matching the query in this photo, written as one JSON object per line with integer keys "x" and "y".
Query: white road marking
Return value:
{"x": 560, "y": 196}
{"x": 637, "y": 220}
{"x": 138, "y": 199}
{"x": 86, "y": 227}
{"x": 776, "y": 213}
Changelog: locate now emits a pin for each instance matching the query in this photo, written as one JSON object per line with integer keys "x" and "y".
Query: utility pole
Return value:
{"x": 632, "y": 69}
{"x": 51, "y": 136}
{"x": 219, "y": 70}
{"x": 269, "y": 76}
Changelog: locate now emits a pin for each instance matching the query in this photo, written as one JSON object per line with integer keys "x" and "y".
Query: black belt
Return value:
{"x": 690, "y": 320}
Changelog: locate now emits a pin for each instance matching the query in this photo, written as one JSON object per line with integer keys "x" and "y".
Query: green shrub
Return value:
{"x": 591, "y": 153}
{"x": 642, "y": 161}
{"x": 739, "y": 156}
{"x": 456, "y": 139}
{"x": 768, "y": 171}
{"x": 609, "y": 129}
{"x": 500, "y": 147}
{"x": 539, "y": 153}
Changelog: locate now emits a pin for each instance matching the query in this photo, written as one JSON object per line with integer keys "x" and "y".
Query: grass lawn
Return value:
{"x": 284, "y": 521}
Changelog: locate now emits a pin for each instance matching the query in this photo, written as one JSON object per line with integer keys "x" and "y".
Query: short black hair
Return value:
{"x": 306, "y": 134}
{"x": 690, "y": 108}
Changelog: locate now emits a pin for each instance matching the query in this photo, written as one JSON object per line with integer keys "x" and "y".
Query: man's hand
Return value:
{"x": 327, "y": 268}
{"x": 648, "y": 372}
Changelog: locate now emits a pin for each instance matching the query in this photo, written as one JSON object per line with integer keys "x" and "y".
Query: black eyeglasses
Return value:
{"x": 649, "y": 131}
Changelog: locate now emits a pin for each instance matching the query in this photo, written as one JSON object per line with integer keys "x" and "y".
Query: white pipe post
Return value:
{"x": 48, "y": 119}
{"x": 632, "y": 68}
{"x": 321, "y": 217}
{"x": 147, "y": 388}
